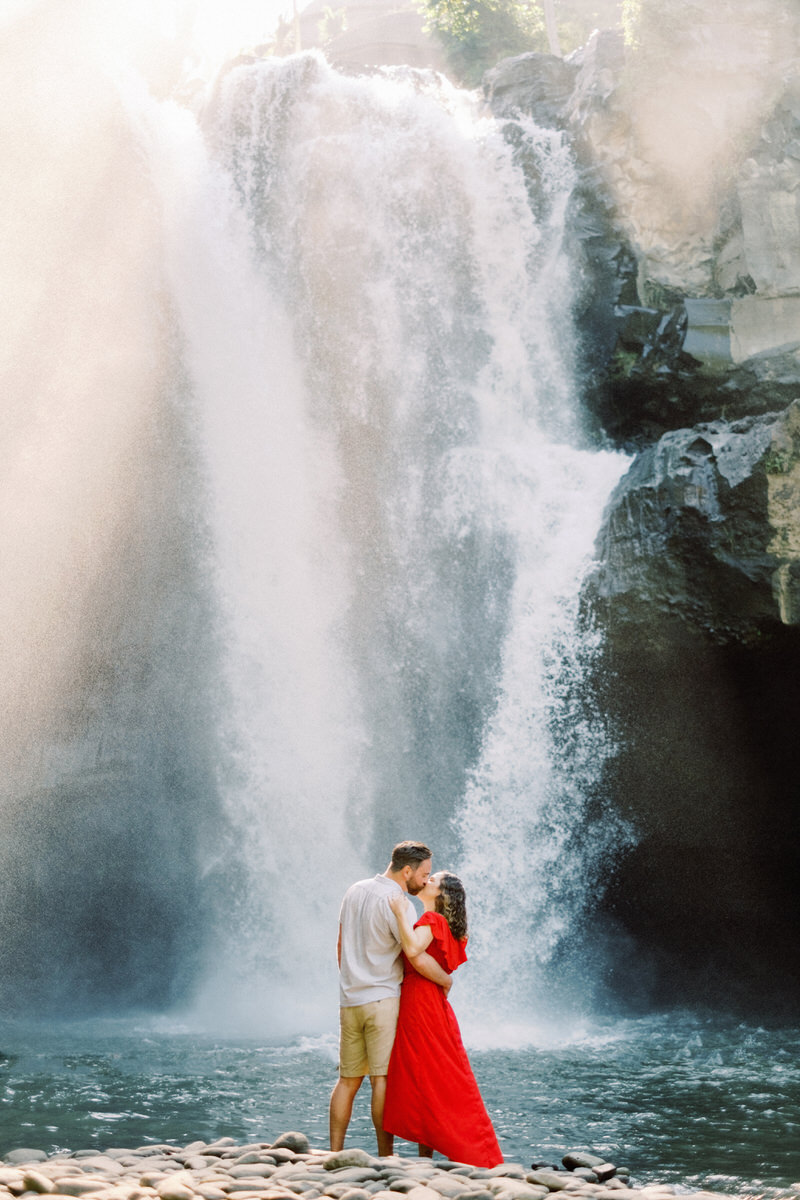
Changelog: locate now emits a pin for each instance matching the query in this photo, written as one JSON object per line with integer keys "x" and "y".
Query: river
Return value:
{"x": 696, "y": 1101}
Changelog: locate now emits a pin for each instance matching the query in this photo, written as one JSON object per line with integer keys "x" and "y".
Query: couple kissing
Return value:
{"x": 395, "y": 1021}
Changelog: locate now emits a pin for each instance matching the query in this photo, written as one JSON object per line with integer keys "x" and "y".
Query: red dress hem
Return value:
{"x": 432, "y": 1096}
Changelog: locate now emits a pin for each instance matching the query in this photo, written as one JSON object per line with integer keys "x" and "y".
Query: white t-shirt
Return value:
{"x": 370, "y": 968}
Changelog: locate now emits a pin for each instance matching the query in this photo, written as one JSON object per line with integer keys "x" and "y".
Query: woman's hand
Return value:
{"x": 397, "y": 903}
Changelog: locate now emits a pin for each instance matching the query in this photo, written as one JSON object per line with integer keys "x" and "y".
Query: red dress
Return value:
{"x": 431, "y": 1094}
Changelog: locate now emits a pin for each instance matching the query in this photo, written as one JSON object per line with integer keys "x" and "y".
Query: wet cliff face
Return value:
{"x": 704, "y": 909}
{"x": 696, "y": 590}
{"x": 687, "y": 230}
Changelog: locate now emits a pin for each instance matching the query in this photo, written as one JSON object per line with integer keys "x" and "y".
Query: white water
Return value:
{"x": 400, "y": 507}
{"x": 290, "y": 724}
{"x": 344, "y": 311}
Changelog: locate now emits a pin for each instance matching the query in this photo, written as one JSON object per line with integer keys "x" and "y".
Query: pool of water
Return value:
{"x": 694, "y": 1101}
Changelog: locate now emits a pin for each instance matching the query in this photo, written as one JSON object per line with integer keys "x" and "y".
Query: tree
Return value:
{"x": 551, "y": 25}
{"x": 476, "y": 34}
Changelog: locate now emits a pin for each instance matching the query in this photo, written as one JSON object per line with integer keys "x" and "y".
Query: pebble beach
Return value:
{"x": 290, "y": 1167}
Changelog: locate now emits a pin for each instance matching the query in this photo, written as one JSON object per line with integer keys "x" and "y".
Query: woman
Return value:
{"x": 432, "y": 1097}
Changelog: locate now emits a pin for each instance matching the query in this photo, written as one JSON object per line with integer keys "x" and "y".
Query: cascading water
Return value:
{"x": 401, "y": 509}
{"x": 351, "y": 454}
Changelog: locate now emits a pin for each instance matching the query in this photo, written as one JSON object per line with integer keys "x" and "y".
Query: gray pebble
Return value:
{"x": 580, "y": 1158}
{"x": 298, "y": 1142}
{"x": 450, "y": 1185}
{"x": 35, "y": 1181}
{"x": 289, "y": 1168}
{"x": 554, "y": 1181}
{"x": 74, "y": 1185}
{"x": 348, "y": 1158}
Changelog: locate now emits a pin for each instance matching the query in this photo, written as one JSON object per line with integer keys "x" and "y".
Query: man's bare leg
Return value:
{"x": 424, "y": 1151}
{"x": 385, "y": 1140}
{"x": 341, "y": 1108}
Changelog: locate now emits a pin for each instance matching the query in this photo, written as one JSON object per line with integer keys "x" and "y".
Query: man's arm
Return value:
{"x": 428, "y": 966}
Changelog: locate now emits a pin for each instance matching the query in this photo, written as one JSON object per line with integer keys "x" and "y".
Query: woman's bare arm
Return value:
{"x": 413, "y": 941}
{"x": 429, "y": 967}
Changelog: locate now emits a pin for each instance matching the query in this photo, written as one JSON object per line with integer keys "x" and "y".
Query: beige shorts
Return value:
{"x": 366, "y": 1037}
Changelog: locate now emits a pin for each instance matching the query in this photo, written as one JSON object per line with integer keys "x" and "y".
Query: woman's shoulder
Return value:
{"x": 436, "y": 921}
{"x": 454, "y": 951}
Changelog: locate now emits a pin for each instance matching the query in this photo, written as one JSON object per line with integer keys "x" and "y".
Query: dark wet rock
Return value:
{"x": 697, "y": 589}
{"x": 579, "y": 1158}
{"x": 705, "y": 527}
{"x": 690, "y": 304}
{"x": 688, "y": 314}
{"x": 538, "y": 84}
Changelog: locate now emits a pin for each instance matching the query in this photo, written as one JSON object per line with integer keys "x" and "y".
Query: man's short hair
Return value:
{"x": 409, "y": 854}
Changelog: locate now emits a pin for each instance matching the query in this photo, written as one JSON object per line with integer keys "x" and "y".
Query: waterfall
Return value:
{"x": 367, "y": 489}
{"x": 402, "y": 503}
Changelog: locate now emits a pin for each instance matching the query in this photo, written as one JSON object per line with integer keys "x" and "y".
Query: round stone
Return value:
{"x": 298, "y": 1142}
{"x": 34, "y": 1181}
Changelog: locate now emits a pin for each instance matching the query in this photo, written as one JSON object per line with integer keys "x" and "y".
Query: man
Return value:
{"x": 370, "y": 974}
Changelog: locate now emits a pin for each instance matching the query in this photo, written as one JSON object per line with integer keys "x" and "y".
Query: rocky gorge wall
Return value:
{"x": 687, "y": 226}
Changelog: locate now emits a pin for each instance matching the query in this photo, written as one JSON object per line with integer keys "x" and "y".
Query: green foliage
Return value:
{"x": 649, "y": 23}
{"x": 779, "y": 460}
{"x": 332, "y": 23}
{"x": 577, "y": 19}
{"x": 476, "y": 34}
{"x": 631, "y": 20}
{"x": 624, "y": 363}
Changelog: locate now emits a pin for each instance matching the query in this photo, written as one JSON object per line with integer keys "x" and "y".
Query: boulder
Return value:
{"x": 540, "y": 85}
{"x": 705, "y": 527}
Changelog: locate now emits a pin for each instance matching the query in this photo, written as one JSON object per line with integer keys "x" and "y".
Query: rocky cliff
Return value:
{"x": 687, "y": 231}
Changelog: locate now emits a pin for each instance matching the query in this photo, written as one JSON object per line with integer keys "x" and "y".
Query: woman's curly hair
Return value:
{"x": 452, "y": 904}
